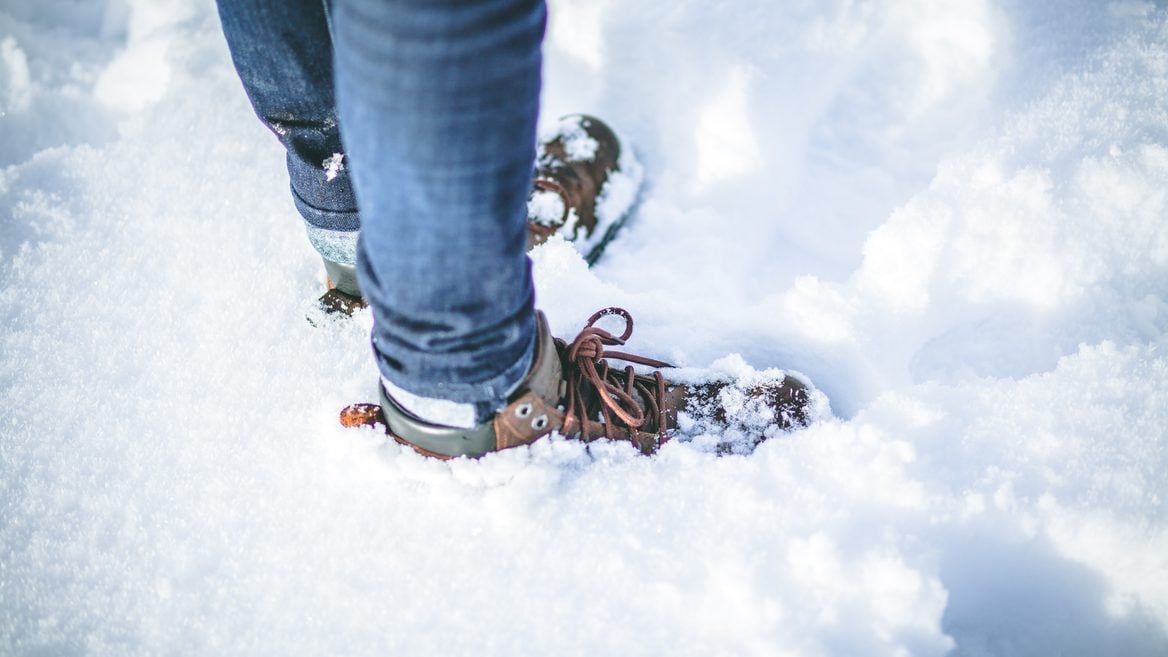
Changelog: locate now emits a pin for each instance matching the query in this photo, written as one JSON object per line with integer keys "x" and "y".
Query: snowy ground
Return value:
{"x": 951, "y": 215}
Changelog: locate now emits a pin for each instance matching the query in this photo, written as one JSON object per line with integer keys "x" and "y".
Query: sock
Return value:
{"x": 433, "y": 410}
{"x": 444, "y": 412}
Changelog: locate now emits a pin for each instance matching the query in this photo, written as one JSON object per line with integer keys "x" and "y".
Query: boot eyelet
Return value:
{"x": 539, "y": 423}
{"x": 523, "y": 410}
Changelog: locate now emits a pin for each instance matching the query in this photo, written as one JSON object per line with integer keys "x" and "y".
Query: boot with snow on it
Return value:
{"x": 343, "y": 295}
{"x": 572, "y": 389}
{"x": 584, "y": 186}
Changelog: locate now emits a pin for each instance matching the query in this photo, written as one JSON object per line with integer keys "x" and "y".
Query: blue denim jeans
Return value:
{"x": 436, "y": 103}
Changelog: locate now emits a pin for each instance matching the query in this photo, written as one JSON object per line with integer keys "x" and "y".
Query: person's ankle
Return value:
{"x": 440, "y": 412}
{"x": 448, "y": 413}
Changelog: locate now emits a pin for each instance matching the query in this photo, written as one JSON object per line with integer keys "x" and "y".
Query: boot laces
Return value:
{"x": 625, "y": 403}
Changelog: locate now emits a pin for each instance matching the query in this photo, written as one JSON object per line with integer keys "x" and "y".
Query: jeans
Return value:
{"x": 436, "y": 104}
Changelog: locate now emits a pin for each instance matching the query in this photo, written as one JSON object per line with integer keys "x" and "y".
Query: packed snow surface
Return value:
{"x": 952, "y": 216}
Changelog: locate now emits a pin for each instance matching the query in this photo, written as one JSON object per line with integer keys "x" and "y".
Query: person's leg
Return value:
{"x": 282, "y": 51}
{"x": 438, "y": 103}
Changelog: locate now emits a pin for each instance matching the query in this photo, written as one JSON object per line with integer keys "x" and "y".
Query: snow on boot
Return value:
{"x": 343, "y": 295}
{"x": 585, "y": 186}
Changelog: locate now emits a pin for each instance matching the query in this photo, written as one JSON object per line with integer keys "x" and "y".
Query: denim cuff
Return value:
{"x": 487, "y": 396}
{"x": 324, "y": 197}
{"x": 323, "y": 193}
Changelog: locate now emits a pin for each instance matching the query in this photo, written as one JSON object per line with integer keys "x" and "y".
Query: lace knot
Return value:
{"x": 622, "y": 399}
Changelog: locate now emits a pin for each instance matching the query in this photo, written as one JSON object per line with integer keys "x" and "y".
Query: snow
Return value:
{"x": 950, "y": 216}
{"x": 333, "y": 166}
{"x": 576, "y": 142}
{"x": 617, "y": 198}
{"x": 545, "y": 207}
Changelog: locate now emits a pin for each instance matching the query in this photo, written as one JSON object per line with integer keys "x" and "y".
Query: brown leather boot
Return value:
{"x": 343, "y": 295}
{"x": 585, "y": 185}
{"x": 572, "y": 389}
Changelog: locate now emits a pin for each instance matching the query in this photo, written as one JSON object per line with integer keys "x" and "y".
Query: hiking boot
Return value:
{"x": 585, "y": 185}
{"x": 343, "y": 295}
{"x": 572, "y": 389}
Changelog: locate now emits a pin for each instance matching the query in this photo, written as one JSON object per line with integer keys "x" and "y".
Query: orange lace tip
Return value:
{"x": 361, "y": 415}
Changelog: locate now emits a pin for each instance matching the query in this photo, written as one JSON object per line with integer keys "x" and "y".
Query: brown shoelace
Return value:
{"x": 596, "y": 390}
